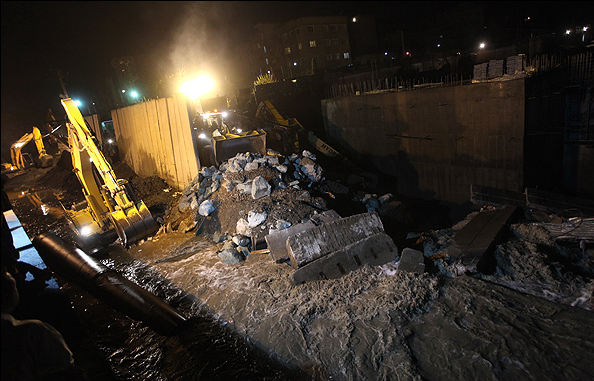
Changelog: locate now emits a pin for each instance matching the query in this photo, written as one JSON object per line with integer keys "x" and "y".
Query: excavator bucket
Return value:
{"x": 46, "y": 160}
{"x": 134, "y": 224}
{"x": 228, "y": 145}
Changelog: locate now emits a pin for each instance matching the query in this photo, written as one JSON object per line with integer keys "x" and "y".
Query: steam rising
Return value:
{"x": 199, "y": 44}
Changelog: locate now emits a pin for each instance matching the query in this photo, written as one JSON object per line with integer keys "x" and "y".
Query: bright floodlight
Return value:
{"x": 77, "y": 103}
{"x": 134, "y": 94}
{"x": 567, "y": 31}
{"x": 482, "y": 45}
{"x": 197, "y": 86}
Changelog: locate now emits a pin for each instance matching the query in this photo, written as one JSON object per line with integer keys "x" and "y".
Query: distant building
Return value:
{"x": 306, "y": 45}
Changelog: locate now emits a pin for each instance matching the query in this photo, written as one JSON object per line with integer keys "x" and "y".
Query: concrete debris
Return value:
{"x": 376, "y": 249}
{"x": 219, "y": 237}
{"x": 256, "y": 219}
{"x": 206, "y": 208}
{"x": 231, "y": 256}
{"x": 412, "y": 260}
{"x": 243, "y": 228}
{"x": 277, "y": 241}
{"x": 241, "y": 240}
{"x": 260, "y": 188}
{"x": 321, "y": 240}
{"x": 309, "y": 155}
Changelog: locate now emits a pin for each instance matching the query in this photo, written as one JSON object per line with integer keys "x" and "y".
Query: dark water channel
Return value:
{"x": 108, "y": 345}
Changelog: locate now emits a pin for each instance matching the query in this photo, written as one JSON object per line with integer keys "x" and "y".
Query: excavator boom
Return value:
{"x": 110, "y": 202}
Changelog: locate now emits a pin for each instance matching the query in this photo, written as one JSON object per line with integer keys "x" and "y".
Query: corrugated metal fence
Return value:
{"x": 155, "y": 138}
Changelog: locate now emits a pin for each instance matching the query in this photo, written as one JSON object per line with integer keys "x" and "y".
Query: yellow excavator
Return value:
{"x": 22, "y": 160}
{"x": 110, "y": 203}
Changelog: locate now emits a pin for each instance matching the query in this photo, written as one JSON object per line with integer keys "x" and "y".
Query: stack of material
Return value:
{"x": 480, "y": 71}
{"x": 495, "y": 69}
{"x": 514, "y": 65}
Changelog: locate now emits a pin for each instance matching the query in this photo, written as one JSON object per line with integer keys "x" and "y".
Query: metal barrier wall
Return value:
{"x": 155, "y": 138}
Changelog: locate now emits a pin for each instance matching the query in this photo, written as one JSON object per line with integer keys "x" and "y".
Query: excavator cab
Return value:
{"x": 110, "y": 206}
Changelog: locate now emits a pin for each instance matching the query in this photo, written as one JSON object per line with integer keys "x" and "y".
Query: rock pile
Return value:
{"x": 250, "y": 196}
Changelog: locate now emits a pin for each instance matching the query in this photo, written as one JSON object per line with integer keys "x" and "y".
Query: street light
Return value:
{"x": 134, "y": 94}
{"x": 196, "y": 87}
{"x": 77, "y": 103}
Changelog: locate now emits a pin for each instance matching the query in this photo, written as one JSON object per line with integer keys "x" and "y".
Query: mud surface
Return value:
{"x": 531, "y": 319}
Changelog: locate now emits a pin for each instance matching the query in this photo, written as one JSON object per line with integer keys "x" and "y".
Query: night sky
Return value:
{"x": 80, "y": 39}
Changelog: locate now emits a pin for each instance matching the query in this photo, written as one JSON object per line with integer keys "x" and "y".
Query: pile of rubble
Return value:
{"x": 278, "y": 205}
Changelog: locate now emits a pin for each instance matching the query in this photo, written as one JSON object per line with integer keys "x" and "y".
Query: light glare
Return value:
{"x": 196, "y": 87}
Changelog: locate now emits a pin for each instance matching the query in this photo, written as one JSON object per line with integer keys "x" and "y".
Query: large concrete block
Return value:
{"x": 412, "y": 261}
{"x": 277, "y": 241}
{"x": 376, "y": 249}
{"x": 321, "y": 240}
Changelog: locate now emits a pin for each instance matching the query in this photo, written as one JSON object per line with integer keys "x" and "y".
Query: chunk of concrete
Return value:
{"x": 277, "y": 241}
{"x": 231, "y": 256}
{"x": 260, "y": 188}
{"x": 412, "y": 260}
{"x": 376, "y": 249}
{"x": 325, "y": 217}
{"x": 321, "y": 240}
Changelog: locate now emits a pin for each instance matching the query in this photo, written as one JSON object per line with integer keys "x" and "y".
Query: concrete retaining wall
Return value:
{"x": 436, "y": 142}
{"x": 155, "y": 138}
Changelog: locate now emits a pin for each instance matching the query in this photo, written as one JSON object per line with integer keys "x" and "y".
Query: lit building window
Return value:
{"x": 287, "y": 50}
{"x": 312, "y": 43}
{"x": 299, "y": 45}
{"x": 347, "y": 55}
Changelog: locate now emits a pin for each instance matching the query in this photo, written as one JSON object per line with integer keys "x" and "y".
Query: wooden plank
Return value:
{"x": 166, "y": 137}
{"x": 478, "y": 239}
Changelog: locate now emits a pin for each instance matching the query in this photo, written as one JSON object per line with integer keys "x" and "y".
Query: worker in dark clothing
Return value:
{"x": 31, "y": 349}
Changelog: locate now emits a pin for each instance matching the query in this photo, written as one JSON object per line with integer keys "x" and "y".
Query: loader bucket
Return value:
{"x": 229, "y": 145}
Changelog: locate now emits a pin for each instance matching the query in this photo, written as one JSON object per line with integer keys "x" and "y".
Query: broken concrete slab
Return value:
{"x": 477, "y": 240}
{"x": 412, "y": 261}
{"x": 277, "y": 241}
{"x": 319, "y": 241}
{"x": 376, "y": 249}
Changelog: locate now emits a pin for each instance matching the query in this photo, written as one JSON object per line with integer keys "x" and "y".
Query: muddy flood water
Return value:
{"x": 249, "y": 322}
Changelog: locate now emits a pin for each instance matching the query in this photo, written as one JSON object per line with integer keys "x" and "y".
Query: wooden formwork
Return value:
{"x": 156, "y": 138}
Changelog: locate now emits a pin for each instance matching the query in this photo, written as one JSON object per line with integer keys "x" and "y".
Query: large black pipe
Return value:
{"x": 107, "y": 285}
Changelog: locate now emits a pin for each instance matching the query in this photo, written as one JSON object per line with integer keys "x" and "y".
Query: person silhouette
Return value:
{"x": 32, "y": 350}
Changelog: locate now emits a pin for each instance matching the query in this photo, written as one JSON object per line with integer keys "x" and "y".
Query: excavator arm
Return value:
{"x": 110, "y": 202}
{"x": 17, "y": 158}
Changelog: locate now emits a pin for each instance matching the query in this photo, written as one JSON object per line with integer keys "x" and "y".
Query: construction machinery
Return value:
{"x": 220, "y": 136}
{"x": 285, "y": 134}
{"x": 110, "y": 204}
{"x": 22, "y": 160}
